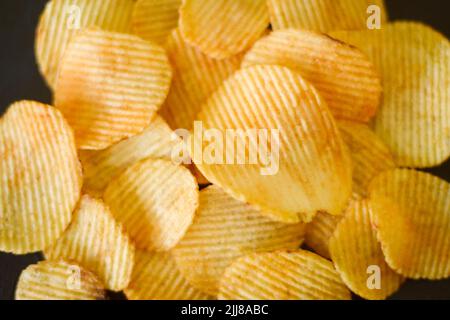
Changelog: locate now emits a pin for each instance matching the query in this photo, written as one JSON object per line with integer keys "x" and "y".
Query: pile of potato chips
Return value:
{"x": 357, "y": 103}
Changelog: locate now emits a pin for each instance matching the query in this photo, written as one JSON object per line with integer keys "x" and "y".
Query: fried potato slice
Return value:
{"x": 155, "y": 200}
{"x": 342, "y": 74}
{"x": 357, "y": 255}
{"x": 223, "y": 28}
{"x": 319, "y": 231}
{"x": 296, "y": 130}
{"x": 61, "y": 19}
{"x": 110, "y": 86}
{"x": 414, "y": 119}
{"x": 156, "y": 277}
{"x": 97, "y": 242}
{"x": 58, "y": 280}
{"x": 40, "y": 177}
{"x": 282, "y": 275}
{"x": 411, "y": 212}
{"x": 225, "y": 229}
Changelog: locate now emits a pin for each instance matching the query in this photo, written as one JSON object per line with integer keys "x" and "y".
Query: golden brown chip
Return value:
{"x": 58, "y": 280}
{"x": 156, "y": 277}
{"x": 110, "y": 86}
{"x": 414, "y": 119}
{"x": 411, "y": 212}
{"x": 155, "y": 200}
{"x": 298, "y": 166}
{"x": 357, "y": 255}
{"x": 40, "y": 177}
{"x": 319, "y": 231}
{"x": 225, "y": 229}
{"x": 223, "y": 28}
{"x": 342, "y": 74}
{"x": 283, "y": 275}
{"x": 97, "y": 242}
{"x": 61, "y": 19}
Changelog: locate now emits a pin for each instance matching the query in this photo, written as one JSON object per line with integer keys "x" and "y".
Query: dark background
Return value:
{"x": 20, "y": 79}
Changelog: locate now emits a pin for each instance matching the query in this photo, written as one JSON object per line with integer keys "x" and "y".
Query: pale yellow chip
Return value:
{"x": 223, "y": 28}
{"x": 58, "y": 280}
{"x": 153, "y": 20}
{"x": 357, "y": 255}
{"x": 110, "y": 86}
{"x": 414, "y": 120}
{"x": 40, "y": 177}
{"x": 326, "y": 15}
{"x": 298, "y": 166}
{"x": 411, "y": 212}
{"x": 319, "y": 231}
{"x": 156, "y": 277}
{"x": 225, "y": 229}
{"x": 196, "y": 76}
{"x": 61, "y": 19}
{"x": 342, "y": 74}
{"x": 97, "y": 242}
{"x": 156, "y": 200}
{"x": 282, "y": 275}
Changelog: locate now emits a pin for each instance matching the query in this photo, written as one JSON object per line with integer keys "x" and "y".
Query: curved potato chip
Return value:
{"x": 325, "y": 15}
{"x": 97, "y": 242}
{"x": 40, "y": 177}
{"x": 155, "y": 200}
{"x": 58, "y": 280}
{"x": 223, "y": 230}
{"x": 156, "y": 277}
{"x": 61, "y": 19}
{"x": 414, "y": 119}
{"x": 319, "y": 231}
{"x": 294, "y": 129}
{"x": 283, "y": 275}
{"x": 357, "y": 255}
{"x": 411, "y": 212}
{"x": 342, "y": 74}
{"x": 223, "y": 28}
{"x": 110, "y": 85}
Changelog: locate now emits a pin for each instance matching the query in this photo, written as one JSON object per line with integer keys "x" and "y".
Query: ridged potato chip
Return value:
{"x": 40, "y": 177}
{"x": 414, "y": 119}
{"x": 225, "y": 229}
{"x": 97, "y": 242}
{"x": 110, "y": 85}
{"x": 298, "y": 166}
{"x": 324, "y": 15}
{"x": 58, "y": 280}
{"x": 319, "y": 231}
{"x": 156, "y": 277}
{"x": 223, "y": 28}
{"x": 283, "y": 275}
{"x": 411, "y": 212}
{"x": 357, "y": 255}
{"x": 61, "y": 19}
{"x": 155, "y": 200}
{"x": 342, "y": 74}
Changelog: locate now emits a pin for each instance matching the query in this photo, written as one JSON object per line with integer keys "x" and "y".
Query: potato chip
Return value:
{"x": 272, "y": 123}
{"x": 414, "y": 120}
{"x": 196, "y": 77}
{"x": 342, "y": 74}
{"x": 411, "y": 212}
{"x": 155, "y": 200}
{"x": 153, "y": 20}
{"x": 326, "y": 15}
{"x": 223, "y": 28}
{"x": 97, "y": 242}
{"x": 225, "y": 229}
{"x": 156, "y": 277}
{"x": 110, "y": 85}
{"x": 319, "y": 231}
{"x": 58, "y": 280}
{"x": 282, "y": 275}
{"x": 357, "y": 255}
{"x": 40, "y": 177}
{"x": 63, "y": 18}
